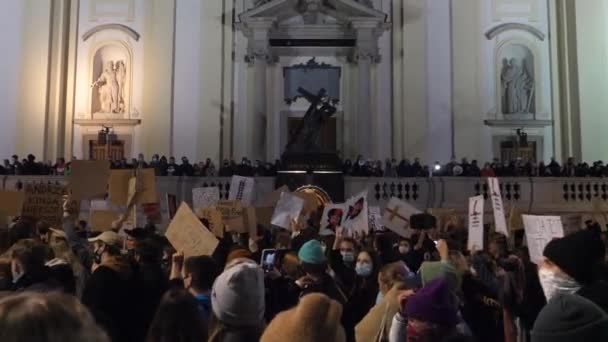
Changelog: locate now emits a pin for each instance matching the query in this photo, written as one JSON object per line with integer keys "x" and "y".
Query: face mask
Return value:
{"x": 554, "y": 284}
{"x": 348, "y": 256}
{"x": 404, "y": 249}
{"x": 323, "y": 248}
{"x": 363, "y": 269}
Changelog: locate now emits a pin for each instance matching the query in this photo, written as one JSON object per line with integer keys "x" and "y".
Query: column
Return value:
{"x": 366, "y": 53}
{"x": 259, "y": 56}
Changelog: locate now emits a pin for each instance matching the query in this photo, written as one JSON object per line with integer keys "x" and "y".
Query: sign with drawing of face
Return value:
{"x": 356, "y": 218}
{"x": 333, "y": 215}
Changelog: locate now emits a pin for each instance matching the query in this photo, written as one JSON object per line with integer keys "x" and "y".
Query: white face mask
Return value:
{"x": 363, "y": 269}
{"x": 554, "y": 284}
{"x": 348, "y": 257}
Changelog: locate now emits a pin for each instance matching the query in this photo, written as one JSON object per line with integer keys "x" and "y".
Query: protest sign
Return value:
{"x": 356, "y": 219}
{"x": 11, "y": 202}
{"x": 272, "y": 198}
{"x": 250, "y": 221}
{"x": 515, "y": 222}
{"x": 375, "y": 219}
{"x": 333, "y": 215}
{"x": 101, "y": 220}
{"x": 205, "y": 197}
{"x": 214, "y": 219}
{"x": 119, "y": 186}
{"x": 396, "y": 217}
{"x": 187, "y": 234}
{"x": 310, "y": 202}
{"x": 146, "y": 191}
{"x": 500, "y": 223}
{"x": 476, "y": 207}
{"x": 540, "y": 230}
{"x": 89, "y": 179}
{"x": 288, "y": 208}
{"x": 44, "y": 202}
{"x": 152, "y": 212}
{"x": 264, "y": 216}
{"x": 241, "y": 189}
{"x": 232, "y": 214}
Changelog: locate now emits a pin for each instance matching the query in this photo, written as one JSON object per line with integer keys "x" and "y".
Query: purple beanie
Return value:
{"x": 433, "y": 304}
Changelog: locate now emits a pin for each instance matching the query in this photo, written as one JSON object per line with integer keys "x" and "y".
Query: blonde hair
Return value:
{"x": 50, "y": 317}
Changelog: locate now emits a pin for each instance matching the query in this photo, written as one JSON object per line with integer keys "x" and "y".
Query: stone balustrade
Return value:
{"x": 533, "y": 195}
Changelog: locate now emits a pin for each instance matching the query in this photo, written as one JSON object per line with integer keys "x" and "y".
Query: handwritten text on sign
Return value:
{"x": 44, "y": 202}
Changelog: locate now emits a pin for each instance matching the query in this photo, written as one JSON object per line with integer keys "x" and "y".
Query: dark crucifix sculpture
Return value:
{"x": 306, "y": 137}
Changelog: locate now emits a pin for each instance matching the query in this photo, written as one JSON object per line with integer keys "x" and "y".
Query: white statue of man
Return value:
{"x": 121, "y": 76}
{"x": 108, "y": 91}
{"x": 511, "y": 73}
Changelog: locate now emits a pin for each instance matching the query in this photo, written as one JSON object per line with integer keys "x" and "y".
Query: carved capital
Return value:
{"x": 365, "y": 55}
{"x": 260, "y": 55}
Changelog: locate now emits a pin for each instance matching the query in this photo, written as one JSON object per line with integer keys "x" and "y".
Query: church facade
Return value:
{"x": 218, "y": 79}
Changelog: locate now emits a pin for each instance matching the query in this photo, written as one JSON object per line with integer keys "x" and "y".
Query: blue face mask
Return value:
{"x": 348, "y": 257}
{"x": 363, "y": 269}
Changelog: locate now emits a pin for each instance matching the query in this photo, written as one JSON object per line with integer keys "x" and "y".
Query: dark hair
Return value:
{"x": 203, "y": 270}
{"x": 314, "y": 269}
{"x": 178, "y": 319}
{"x": 47, "y": 318}
{"x": 149, "y": 251}
{"x": 31, "y": 255}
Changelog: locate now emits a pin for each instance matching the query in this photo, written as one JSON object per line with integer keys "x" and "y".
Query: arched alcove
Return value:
{"x": 111, "y": 79}
{"x": 516, "y": 76}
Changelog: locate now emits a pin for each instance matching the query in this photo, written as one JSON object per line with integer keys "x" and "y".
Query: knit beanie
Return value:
{"x": 316, "y": 318}
{"x": 433, "y": 304}
{"x": 568, "y": 318}
{"x": 237, "y": 297}
{"x": 577, "y": 254}
{"x": 312, "y": 253}
{"x": 430, "y": 271}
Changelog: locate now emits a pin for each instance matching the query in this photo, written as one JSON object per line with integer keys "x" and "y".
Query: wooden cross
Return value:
{"x": 395, "y": 213}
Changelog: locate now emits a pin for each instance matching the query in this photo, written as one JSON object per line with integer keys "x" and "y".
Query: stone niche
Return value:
{"x": 110, "y": 96}
{"x": 517, "y": 81}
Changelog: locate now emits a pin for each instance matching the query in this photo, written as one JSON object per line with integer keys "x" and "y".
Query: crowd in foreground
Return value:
{"x": 169, "y": 167}
{"x": 65, "y": 284}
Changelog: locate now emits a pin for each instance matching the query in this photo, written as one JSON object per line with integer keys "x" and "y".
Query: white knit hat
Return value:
{"x": 237, "y": 297}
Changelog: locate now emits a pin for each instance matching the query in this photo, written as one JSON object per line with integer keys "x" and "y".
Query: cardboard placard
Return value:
{"x": 356, "y": 219}
{"x": 232, "y": 214}
{"x": 214, "y": 217}
{"x": 333, "y": 215}
{"x": 11, "y": 202}
{"x": 205, "y": 197}
{"x": 264, "y": 216}
{"x": 375, "y": 219}
{"x": 241, "y": 189}
{"x": 147, "y": 183}
{"x": 272, "y": 198}
{"x": 187, "y": 234}
{"x": 396, "y": 217}
{"x": 101, "y": 220}
{"x": 540, "y": 230}
{"x": 89, "y": 179}
{"x": 119, "y": 186}
{"x": 288, "y": 208}
{"x": 500, "y": 223}
{"x": 476, "y": 206}
{"x": 250, "y": 221}
{"x": 44, "y": 202}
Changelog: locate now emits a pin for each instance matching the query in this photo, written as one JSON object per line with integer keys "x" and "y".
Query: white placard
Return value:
{"x": 241, "y": 189}
{"x": 540, "y": 230}
{"x": 203, "y": 198}
{"x": 333, "y": 215}
{"x": 375, "y": 219}
{"x": 288, "y": 208}
{"x": 396, "y": 217}
{"x": 476, "y": 223}
{"x": 355, "y": 218}
{"x": 500, "y": 223}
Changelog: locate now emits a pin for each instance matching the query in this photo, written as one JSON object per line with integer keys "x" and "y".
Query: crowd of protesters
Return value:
{"x": 66, "y": 284}
{"x": 358, "y": 168}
